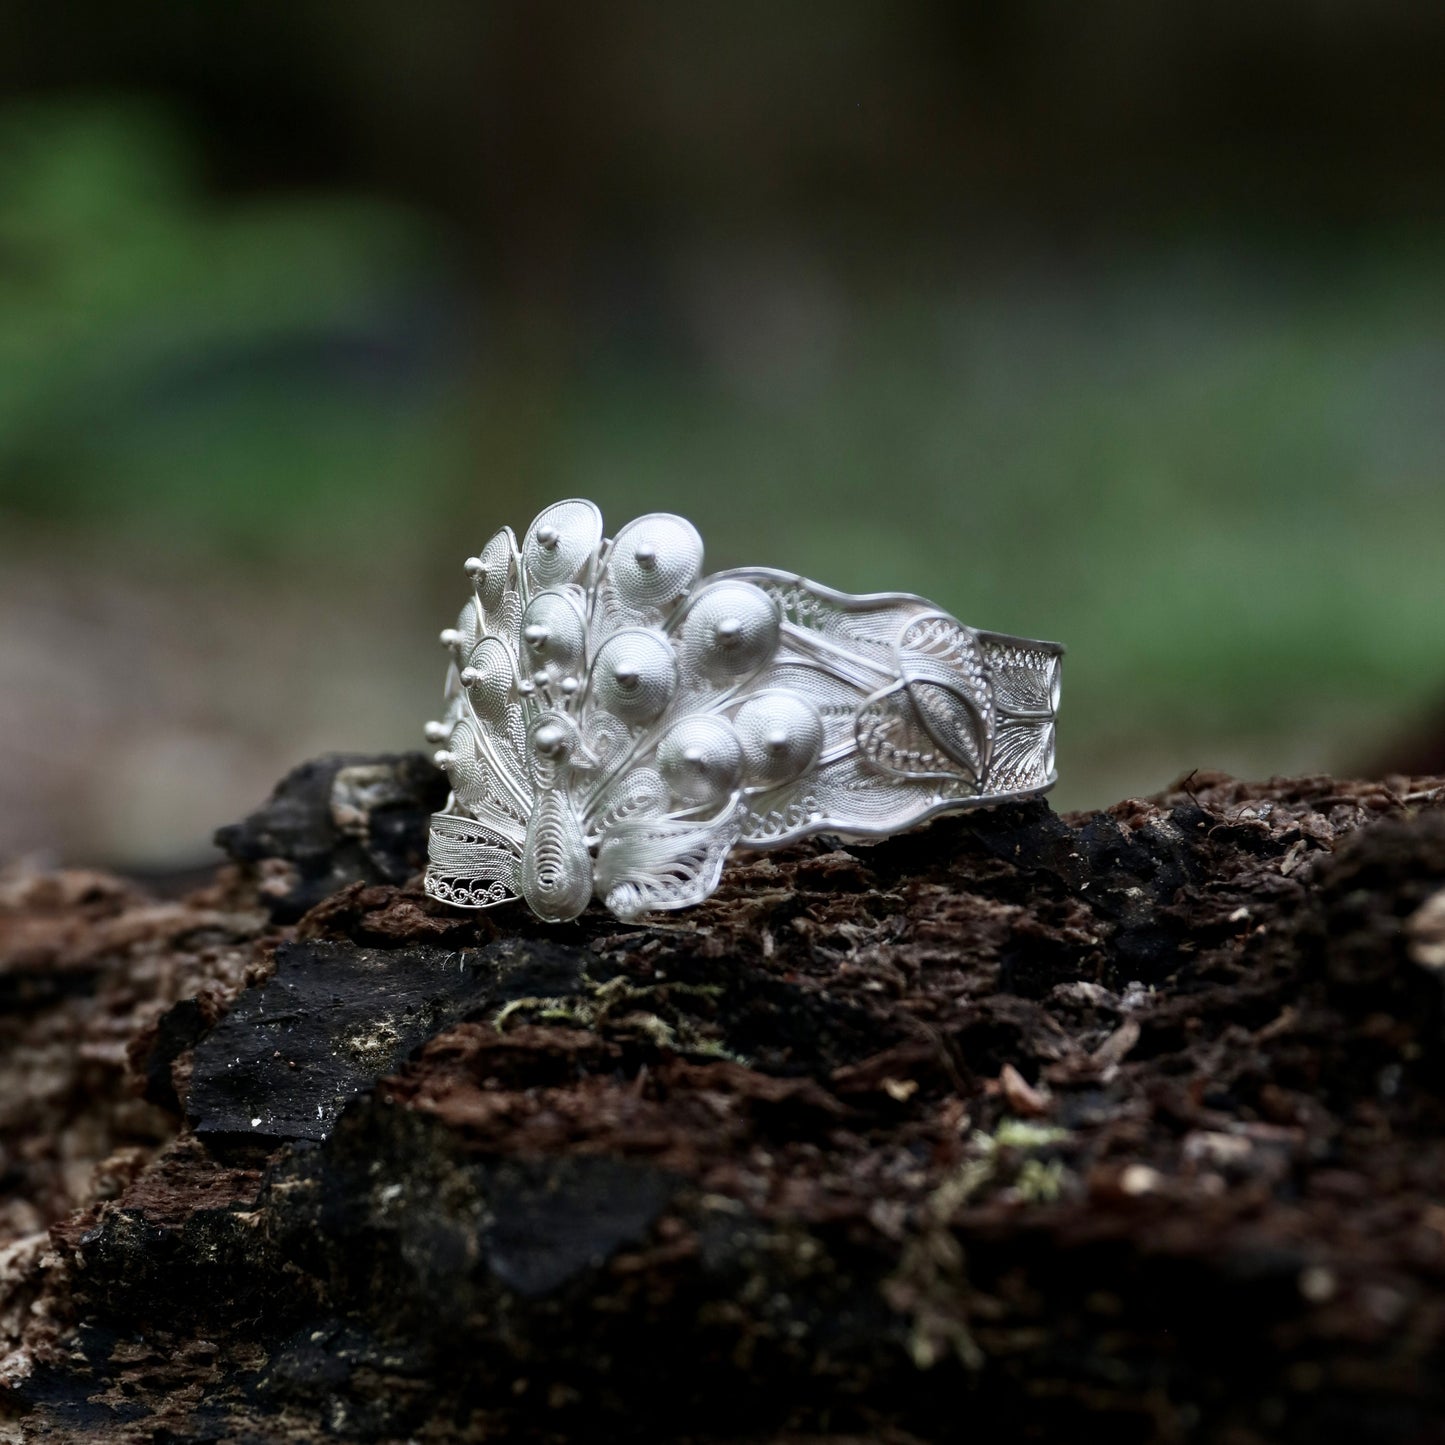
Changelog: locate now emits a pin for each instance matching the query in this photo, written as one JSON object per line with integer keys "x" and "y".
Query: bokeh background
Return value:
{"x": 1120, "y": 323}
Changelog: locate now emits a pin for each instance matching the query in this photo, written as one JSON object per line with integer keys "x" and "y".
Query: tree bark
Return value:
{"x": 1013, "y": 1127}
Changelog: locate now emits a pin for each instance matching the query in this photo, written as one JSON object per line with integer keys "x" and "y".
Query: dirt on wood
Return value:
{"x": 1016, "y": 1127}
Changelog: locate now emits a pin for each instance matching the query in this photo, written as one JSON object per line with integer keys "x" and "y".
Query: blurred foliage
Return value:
{"x": 1217, "y": 479}
{"x": 240, "y": 374}
{"x": 1213, "y": 469}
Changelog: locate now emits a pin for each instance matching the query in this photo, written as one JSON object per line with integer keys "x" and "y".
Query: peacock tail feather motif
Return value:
{"x": 616, "y": 724}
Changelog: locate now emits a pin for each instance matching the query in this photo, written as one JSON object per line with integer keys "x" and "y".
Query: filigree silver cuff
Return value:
{"x": 617, "y": 724}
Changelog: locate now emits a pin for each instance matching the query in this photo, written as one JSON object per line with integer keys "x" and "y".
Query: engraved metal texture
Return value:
{"x": 616, "y": 724}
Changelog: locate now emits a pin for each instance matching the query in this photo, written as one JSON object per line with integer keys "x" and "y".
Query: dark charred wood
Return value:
{"x": 336, "y": 820}
{"x": 1018, "y": 1127}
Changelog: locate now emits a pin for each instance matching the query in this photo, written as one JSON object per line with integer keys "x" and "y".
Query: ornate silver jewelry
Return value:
{"x": 615, "y": 725}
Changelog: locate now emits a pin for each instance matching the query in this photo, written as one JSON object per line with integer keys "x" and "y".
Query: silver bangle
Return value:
{"x": 617, "y": 724}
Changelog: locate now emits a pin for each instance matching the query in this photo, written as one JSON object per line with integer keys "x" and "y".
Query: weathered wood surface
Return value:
{"x": 1018, "y": 1127}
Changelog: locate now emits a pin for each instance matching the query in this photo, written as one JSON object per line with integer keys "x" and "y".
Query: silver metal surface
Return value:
{"x": 616, "y": 724}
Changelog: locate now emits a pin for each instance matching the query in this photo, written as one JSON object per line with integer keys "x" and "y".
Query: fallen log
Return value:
{"x": 1017, "y": 1126}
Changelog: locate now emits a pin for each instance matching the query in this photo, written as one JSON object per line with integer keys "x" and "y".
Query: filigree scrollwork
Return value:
{"x": 616, "y": 723}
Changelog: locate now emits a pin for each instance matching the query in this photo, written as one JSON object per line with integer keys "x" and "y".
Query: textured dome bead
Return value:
{"x": 634, "y": 675}
{"x": 560, "y": 543}
{"x": 492, "y": 677}
{"x": 496, "y": 560}
{"x": 554, "y": 634}
{"x": 655, "y": 560}
{"x": 469, "y": 628}
{"x": 701, "y": 758}
{"x": 782, "y": 735}
{"x": 459, "y": 757}
{"x": 731, "y": 630}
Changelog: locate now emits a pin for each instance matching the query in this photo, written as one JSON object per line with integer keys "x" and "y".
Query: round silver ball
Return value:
{"x": 559, "y": 544}
{"x": 555, "y": 633}
{"x": 441, "y": 757}
{"x": 436, "y": 732}
{"x": 700, "y": 758}
{"x": 526, "y": 687}
{"x": 655, "y": 561}
{"x": 782, "y": 736}
{"x": 475, "y": 568}
{"x": 568, "y": 686}
{"x": 634, "y": 675}
{"x": 730, "y": 631}
{"x": 450, "y": 637}
{"x": 550, "y": 740}
{"x": 489, "y": 677}
{"x": 496, "y": 560}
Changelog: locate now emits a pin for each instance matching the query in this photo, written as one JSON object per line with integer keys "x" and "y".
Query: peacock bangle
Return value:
{"x": 617, "y": 724}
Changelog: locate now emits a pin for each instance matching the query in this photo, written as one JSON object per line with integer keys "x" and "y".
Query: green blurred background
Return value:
{"x": 1122, "y": 324}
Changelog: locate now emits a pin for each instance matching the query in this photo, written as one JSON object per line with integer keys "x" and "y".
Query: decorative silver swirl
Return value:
{"x": 616, "y": 724}
{"x": 556, "y": 867}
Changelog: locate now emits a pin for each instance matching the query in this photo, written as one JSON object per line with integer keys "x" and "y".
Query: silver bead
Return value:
{"x": 550, "y": 740}
{"x": 655, "y": 561}
{"x": 634, "y": 675}
{"x": 700, "y": 758}
{"x": 496, "y": 560}
{"x": 560, "y": 545}
{"x": 555, "y": 632}
{"x": 731, "y": 630}
{"x": 782, "y": 735}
